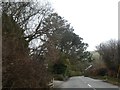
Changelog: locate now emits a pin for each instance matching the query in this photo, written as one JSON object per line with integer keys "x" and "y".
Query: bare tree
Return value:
{"x": 109, "y": 52}
{"x": 19, "y": 69}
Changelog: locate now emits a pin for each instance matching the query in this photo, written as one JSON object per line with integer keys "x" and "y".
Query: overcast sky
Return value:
{"x": 95, "y": 21}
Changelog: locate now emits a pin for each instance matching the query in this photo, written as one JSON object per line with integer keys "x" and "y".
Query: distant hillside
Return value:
{"x": 97, "y": 62}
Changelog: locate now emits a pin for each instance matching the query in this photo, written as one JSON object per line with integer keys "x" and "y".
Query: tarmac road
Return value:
{"x": 85, "y": 83}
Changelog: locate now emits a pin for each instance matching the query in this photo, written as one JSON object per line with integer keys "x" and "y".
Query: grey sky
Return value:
{"x": 95, "y": 21}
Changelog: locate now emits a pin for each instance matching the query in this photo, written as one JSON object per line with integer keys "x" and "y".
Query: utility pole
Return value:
{"x": 118, "y": 73}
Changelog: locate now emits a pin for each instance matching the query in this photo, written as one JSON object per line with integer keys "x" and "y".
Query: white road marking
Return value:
{"x": 91, "y": 87}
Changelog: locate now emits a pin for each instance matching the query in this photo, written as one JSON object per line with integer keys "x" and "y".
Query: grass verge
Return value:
{"x": 108, "y": 79}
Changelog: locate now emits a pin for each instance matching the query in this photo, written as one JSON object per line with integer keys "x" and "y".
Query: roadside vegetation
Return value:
{"x": 106, "y": 64}
{"x": 38, "y": 45}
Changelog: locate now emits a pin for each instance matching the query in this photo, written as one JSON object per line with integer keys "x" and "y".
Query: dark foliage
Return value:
{"x": 59, "y": 68}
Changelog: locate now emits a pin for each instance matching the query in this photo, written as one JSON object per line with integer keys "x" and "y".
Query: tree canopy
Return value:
{"x": 36, "y": 40}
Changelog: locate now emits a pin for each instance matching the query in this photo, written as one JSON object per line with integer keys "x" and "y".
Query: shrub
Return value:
{"x": 74, "y": 73}
{"x": 102, "y": 71}
{"x": 59, "y": 77}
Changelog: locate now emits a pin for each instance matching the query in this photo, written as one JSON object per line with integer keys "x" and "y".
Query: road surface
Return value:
{"x": 85, "y": 83}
